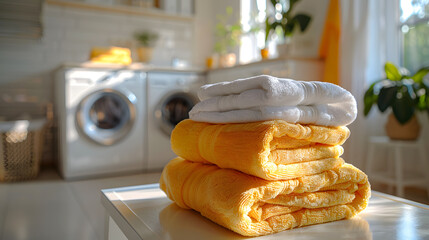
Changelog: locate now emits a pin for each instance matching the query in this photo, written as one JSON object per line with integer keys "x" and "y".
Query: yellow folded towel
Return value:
{"x": 271, "y": 150}
{"x": 252, "y": 206}
{"x": 172, "y": 214}
{"x": 111, "y": 55}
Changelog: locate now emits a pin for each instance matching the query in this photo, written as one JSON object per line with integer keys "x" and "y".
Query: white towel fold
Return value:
{"x": 265, "y": 97}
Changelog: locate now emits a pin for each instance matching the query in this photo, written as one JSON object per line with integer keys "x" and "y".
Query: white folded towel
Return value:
{"x": 265, "y": 97}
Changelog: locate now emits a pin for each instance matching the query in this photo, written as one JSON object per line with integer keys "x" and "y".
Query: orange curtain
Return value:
{"x": 329, "y": 48}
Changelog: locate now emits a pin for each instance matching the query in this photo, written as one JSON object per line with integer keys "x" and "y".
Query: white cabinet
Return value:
{"x": 295, "y": 68}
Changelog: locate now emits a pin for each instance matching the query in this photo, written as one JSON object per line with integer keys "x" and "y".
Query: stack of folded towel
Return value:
{"x": 114, "y": 55}
{"x": 262, "y": 155}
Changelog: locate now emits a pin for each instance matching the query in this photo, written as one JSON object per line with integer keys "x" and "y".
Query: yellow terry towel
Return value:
{"x": 252, "y": 206}
{"x": 111, "y": 55}
{"x": 271, "y": 150}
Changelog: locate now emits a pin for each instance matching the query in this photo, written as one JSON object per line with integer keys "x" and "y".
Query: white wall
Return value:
{"x": 26, "y": 66}
{"x": 205, "y": 22}
{"x": 307, "y": 44}
{"x": 203, "y": 28}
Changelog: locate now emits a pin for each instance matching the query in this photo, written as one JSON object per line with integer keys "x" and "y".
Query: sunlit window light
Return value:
{"x": 253, "y": 15}
{"x": 140, "y": 195}
{"x": 246, "y": 55}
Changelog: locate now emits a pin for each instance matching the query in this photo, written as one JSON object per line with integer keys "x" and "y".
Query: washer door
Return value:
{"x": 172, "y": 109}
{"x": 106, "y": 116}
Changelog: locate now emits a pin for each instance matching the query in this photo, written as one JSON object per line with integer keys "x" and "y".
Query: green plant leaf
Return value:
{"x": 302, "y": 20}
{"x": 427, "y": 101}
{"x": 420, "y": 74}
{"x": 146, "y": 38}
{"x": 392, "y": 72}
{"x": 423, "y": 99}
{"x": 386, "y": 97}
{"x": 422, "y": 102}
{"x": 292, "y": 4}
{"x": 236, "y": 28}
{"x": 403, "y": 107}
{"x": 288, "y": 29}
{"x": 370, "y": 98}
{"x": 409, "y": 88}
{"x": 229, "y": 10}
{"x": 267, "y": 30}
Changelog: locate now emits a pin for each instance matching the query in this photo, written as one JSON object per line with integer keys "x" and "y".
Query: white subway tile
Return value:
{"x": 53, "y": 34}
{"x": 69, "y": 35}
{"x": 98, "y": 25}
{"x": 52, "y": 10}
{"x": 55, "y": 22}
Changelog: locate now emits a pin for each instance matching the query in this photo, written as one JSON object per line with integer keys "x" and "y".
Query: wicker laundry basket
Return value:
{"x": 20, "y": 149}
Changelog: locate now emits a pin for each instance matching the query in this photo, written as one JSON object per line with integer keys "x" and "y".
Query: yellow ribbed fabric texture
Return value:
{"x": 263, "y": 177}
{"x": 252, "y": 206}
{"x": 271, "y": 150}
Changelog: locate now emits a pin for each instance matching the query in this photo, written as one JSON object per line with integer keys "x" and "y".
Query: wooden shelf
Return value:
{"x": 123, "y": 9}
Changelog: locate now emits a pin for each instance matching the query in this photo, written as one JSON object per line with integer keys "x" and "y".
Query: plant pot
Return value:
{"x": 227, "y": 60}
{"x": 264, "y": 53}
{"x": 210, "y": 62}
{"x": 396, "y": 131}
{"x": 145, "y": 54}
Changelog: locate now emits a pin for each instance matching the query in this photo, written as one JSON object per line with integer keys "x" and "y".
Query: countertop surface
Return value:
{"x": 155, "y": 68}
{"x": 133, "y": 66}
{"x": 145, "y": 212}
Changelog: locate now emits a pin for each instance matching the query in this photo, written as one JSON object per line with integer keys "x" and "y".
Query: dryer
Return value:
{"x": 170, "y": 97}
{"x": 101, "y": 116}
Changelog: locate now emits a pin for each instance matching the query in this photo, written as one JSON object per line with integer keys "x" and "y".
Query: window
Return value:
{"x": 415, "y": 32}
{"x": 252, "y": 16}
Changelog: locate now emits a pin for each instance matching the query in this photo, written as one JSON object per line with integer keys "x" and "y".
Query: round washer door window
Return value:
{"x": 172, "y": 109}
{"x": 106, "y": 116}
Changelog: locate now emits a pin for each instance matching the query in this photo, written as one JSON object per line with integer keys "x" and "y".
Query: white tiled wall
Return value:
{"x": 26, "y": 66}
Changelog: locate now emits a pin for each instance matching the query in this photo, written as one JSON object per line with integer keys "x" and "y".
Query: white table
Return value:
{"x": 144, "y": 212}
{"x": 394, "y": 172}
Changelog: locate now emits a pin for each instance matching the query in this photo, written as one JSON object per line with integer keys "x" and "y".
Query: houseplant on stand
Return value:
{"x": 283, "y": 22}
{"x": 146, "y": 40}
{"x": 403, "y": 93}
{"x": 227, "y": 38}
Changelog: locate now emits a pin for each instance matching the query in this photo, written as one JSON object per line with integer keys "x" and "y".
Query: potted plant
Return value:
{"x": 404, "y": 94}
{"x": 283, "y": 22}
{"x": 227, "y": 38}
{"x": 146, "y": 40}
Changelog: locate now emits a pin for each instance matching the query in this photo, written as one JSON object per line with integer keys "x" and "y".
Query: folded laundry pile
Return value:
{"x": 268, "y": 172}
{"x": 265, "y": 97}
{"x": 114, "y": 55}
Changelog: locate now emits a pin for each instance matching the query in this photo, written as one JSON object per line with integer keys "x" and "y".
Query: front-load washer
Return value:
{"x": 101, "y": 117}
{"x": 171, "y": 95}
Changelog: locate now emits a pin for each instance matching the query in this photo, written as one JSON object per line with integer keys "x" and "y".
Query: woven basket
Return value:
{"x": 20, "y": 149}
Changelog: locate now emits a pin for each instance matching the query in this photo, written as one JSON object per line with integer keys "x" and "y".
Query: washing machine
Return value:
{"x": 101, "y": 118}
{"x": 171, "y": 95}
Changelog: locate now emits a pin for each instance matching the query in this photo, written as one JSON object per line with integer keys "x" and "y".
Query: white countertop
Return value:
{"x": 132, "y": 66}
{"x": 154, "y": 68}
{"x": 145, "y": 212}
